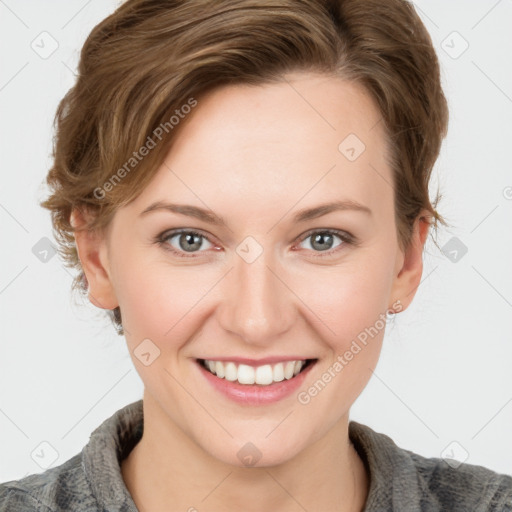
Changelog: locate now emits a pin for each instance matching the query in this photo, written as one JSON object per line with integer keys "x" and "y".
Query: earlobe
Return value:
{"x": 92, "y": 252}
{"x": 409, "y": 276}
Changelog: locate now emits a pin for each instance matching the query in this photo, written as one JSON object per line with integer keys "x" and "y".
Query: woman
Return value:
{"x": 243, "y": 185}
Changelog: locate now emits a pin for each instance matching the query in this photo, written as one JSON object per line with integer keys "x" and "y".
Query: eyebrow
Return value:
{"x": 324, "y": 209}
{"x": 300, "y": 216}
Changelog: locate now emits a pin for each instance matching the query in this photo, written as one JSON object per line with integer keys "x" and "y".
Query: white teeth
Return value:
{"x": 289, "y": 369}
{"x": 245, "y": 374}
{"x": 219, "y": 369}
{"x": 262, "y": 375}
{"x": 278, "y": 372}
{"x": 231, "y": 372}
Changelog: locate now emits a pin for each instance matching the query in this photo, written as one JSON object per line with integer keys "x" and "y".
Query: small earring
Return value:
{"x": 390, "y": 313}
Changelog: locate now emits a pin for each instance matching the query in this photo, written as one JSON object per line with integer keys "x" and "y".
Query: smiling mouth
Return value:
{"x": 264, "y": 375}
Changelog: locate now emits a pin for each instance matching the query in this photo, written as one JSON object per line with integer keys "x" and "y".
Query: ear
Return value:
{"x": 410, "y": 264}
{"x": 92, "y": 251}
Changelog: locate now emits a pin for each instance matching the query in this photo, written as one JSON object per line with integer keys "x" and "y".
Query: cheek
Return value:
{"x": 159, "y": 300}
{"x": 347, "y": 303}
{"x": 149, "y": 294}
{"x": 348, "y": 299}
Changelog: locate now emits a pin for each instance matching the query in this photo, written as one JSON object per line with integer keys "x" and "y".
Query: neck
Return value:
{"x": 168, "y": 468}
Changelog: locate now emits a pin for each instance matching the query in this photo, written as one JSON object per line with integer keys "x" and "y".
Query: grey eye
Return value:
{"x": 322, "y": 240}
{"x": 188, "y": 241}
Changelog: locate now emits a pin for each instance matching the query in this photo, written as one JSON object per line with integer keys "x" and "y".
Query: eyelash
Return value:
{"x": 346, "y": 238}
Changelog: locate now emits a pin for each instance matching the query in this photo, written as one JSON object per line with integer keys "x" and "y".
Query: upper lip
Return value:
{"x": 258, "y": 362}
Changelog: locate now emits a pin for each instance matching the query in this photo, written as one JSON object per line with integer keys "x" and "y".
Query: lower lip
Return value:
{"x": 254, "y": 394}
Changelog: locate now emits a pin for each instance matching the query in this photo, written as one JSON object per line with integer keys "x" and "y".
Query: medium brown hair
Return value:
{"x": 143, "y": 67}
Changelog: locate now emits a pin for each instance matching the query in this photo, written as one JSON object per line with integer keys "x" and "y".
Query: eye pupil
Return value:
{"x": 190, "y": 238}
{"x": 319, "y": 242}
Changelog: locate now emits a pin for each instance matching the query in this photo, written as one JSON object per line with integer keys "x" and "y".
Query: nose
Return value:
{"x": 257, "y": 305}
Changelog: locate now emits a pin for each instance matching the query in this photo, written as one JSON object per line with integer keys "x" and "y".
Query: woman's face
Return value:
{"x": 263, "y": 283}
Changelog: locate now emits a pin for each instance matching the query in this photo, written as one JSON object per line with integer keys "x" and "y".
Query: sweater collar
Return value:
{"x": 392, "y": 472}
{"x": 390, "y": 468}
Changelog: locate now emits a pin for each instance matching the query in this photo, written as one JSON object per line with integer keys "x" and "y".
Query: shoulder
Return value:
{"x": 14, "y": 499}
{"x": 91, "y": 481}
{"x": 460, "y": 486}
{"x": 57, "y": 489}
{"x": 404, "y": 480}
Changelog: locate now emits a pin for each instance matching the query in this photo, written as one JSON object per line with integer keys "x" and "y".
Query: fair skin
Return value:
{"x": 255, "y": 156}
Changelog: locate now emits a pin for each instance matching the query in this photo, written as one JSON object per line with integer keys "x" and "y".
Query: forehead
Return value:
{"x": 301, "y": 103}
{"x": 276, "y": 142}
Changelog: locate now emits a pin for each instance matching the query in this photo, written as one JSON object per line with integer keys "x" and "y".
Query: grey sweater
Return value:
{"x": 400, "y": 480}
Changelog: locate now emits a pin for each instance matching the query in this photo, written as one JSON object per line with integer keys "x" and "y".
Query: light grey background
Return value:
{"x": 445, "y": 370}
